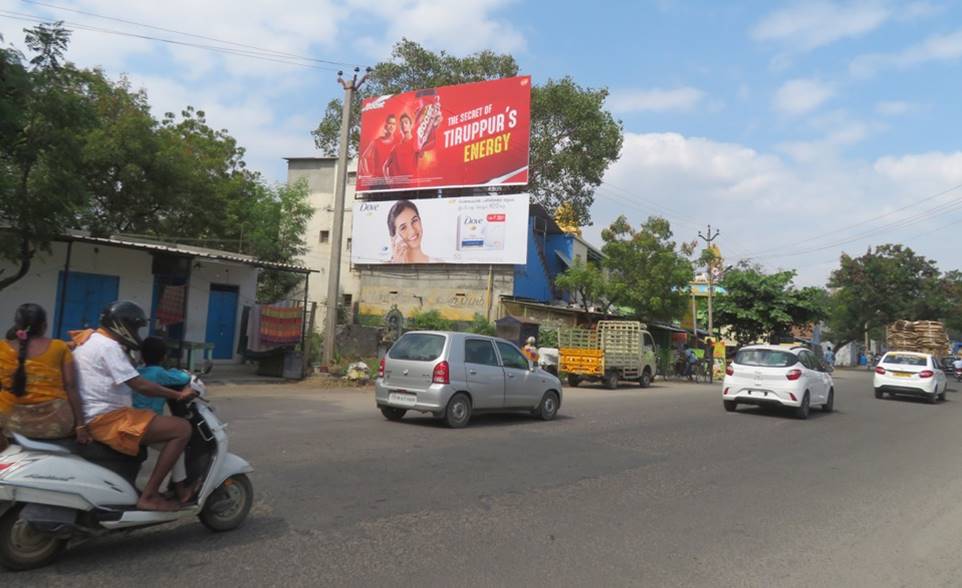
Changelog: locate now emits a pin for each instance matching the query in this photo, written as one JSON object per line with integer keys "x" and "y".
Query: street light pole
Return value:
{"x": 337, "y": 223}
{"x": 711, "y": 293}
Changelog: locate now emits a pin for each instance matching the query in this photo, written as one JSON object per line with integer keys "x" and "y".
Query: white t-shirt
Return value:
{"x": 957, "y": 364}
{"x": 103, "y": 368}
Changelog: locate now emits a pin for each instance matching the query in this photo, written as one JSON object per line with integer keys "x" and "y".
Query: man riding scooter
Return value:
{"x": 107, "y": 381}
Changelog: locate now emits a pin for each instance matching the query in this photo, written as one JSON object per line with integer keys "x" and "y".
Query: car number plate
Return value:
{"x": 402, "y": 398}
{"x": 902, "y": 374}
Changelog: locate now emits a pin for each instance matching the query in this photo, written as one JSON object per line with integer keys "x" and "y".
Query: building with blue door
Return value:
{"x": 194, "y": 295}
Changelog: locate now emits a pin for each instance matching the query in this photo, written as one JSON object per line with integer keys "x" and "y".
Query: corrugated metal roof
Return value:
{"x": 186, "y": 251}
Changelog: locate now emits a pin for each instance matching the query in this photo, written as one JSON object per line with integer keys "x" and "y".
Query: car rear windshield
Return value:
{"x": 905, "y": 359}
{"x": 418, "y": 347}
{"x": 765, "y": 358}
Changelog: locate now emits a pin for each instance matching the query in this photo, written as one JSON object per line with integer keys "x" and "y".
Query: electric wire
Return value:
{"x": 193, "y": 35}
{"x": 214, "y": 48}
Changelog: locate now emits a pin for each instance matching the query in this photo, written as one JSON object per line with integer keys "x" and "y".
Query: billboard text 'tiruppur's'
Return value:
{"x": 453, "y": 136}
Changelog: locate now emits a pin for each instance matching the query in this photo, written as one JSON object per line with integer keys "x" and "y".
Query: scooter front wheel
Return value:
{"x": 227, "y": 506}
{"x": 22, "y": 547}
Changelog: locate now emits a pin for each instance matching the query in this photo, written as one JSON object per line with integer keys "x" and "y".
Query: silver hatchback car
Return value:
{"x": 454, "y": 375}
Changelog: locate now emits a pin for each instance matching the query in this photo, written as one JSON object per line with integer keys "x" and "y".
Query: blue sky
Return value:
{"x": 800, "y": 129}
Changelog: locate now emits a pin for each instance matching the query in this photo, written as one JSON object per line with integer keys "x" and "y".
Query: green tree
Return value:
{"x": 759, "y": 306}
{"x": 573, "y": 138}
{"x": 588, "y": 283}
{"x": 647, "y": 270}
{"x": 275, "y": 232}
{"x": 886, "y": 284}
{"x": 44, "y": 114}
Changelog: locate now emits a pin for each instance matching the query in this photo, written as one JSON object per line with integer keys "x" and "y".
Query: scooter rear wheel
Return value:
{"x": 227, "y": 506}
{"x": 21, "y": 547}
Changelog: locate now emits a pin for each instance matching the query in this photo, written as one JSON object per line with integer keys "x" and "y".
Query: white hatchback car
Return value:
{"x": 769, "y": 375}
{"x": 911, "y": 374}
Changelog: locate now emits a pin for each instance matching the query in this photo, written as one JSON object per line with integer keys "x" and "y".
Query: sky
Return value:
{"x": 799, "y": 130}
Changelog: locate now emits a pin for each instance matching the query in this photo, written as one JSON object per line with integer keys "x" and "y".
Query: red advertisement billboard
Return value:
{"x": 452, "y": 136}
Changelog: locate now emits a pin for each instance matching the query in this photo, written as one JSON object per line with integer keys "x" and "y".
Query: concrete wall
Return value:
{"x": 136, "y": 282}
{"x": 457, "y": 292}
{"x": 319, "y": 173}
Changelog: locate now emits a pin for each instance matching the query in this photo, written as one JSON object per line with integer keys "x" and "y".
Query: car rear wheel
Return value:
{"x": 573, "y": 380}
{"x": 802, "y": 411}
{"x": 942, "y": 395}
{"x": 933, "y": 399}
{"x": 548, "y": 408}
{"x": 829, "y": 405}
{"x": 879, "y": 393}
{"x": 458, "y": 412}
{"x": 393, "y": 414}
{"x": 645, "y": 379}
{"x": 730, "y": 405}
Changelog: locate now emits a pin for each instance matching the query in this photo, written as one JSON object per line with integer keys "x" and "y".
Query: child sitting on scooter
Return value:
{"x": 154, "y": 351}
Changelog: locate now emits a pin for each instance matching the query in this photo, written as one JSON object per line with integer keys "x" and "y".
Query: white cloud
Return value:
{"x": 894, "y": 107}
{"x": 800, "y": 96}
{"x": 655, "y": 100}
{"x": 455, "y": 26}
{"x": 947, "y": 47}
{"x": 804, "y": 26}
{"x": 769, "y": 207}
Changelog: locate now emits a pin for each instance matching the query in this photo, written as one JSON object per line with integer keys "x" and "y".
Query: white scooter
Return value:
{"x": 55, "y": 493}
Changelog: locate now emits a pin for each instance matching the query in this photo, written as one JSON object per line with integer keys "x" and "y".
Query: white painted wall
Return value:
{"x": 136, "y": 283}
{"x": 319, "y": 173}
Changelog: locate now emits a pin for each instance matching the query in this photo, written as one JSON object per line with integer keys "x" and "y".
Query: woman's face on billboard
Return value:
{"x": 408, "y": 226}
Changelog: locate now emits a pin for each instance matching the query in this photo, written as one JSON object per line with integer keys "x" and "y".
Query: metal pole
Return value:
{"x": 304, "y": 327}
{"x": 337, "y": 223}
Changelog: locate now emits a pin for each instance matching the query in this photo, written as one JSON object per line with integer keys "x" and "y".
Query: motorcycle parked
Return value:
{"x": 54, "y": 493}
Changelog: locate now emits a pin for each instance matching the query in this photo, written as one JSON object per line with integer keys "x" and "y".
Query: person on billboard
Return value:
{"x": 403, "y": 161}
{"x": 374, "y": 159}
{"x": 404, "y": 226}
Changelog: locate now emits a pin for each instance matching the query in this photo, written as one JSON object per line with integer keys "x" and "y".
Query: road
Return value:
{"x": 656, "y": 487}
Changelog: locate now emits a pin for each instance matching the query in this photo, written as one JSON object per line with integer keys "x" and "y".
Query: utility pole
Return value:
{"x": 711, "y": 294}
{"x": 337, "y": 224}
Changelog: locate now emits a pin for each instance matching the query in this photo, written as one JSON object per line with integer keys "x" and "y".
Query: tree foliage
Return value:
{"x": 589, "y": 284}
{"x": 573, "y": 138}
{"x": 886, "y": 284}
{"x": 759, "y": 306}
{"x": 647, "y": 270}
{"x": 81, "y": 151}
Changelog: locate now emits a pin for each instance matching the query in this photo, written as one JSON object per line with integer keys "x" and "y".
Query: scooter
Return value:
{"x": 57, "y": 493}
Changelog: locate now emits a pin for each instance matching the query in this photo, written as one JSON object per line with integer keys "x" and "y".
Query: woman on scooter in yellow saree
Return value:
{"x": 38, "y": 382}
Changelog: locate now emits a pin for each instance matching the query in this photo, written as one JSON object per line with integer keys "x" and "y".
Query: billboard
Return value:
{"x": 453, "y": 136}
{"x": 483, "y": 229}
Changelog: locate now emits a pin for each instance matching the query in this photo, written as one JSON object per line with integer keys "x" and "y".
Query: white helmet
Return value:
{"x": 530, "y": 341}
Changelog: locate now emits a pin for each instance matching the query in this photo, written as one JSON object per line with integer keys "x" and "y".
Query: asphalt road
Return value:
{"x": 656, "y": 487}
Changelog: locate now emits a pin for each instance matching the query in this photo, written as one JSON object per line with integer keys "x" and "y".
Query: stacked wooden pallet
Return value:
{"x": 919, "y": 336}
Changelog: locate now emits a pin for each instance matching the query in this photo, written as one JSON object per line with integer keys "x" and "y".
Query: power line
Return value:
{"x": 869, "y": 220}
{"x": 193, "y": 35}
{"x": 214, "y": 48}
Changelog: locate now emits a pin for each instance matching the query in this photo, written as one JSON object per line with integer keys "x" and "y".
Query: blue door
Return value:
{"x": 85, "y": 297}
{"x": 221, "y": 320}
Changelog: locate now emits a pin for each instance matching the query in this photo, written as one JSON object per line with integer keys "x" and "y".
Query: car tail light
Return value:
{"x": 793, "y": 375}
{"x": 792, "y": 396}
{"x": 4, "y": 466}
{"x": 729, "y": 370}
{"x": 880, "y": 371}
{"x": 441, "y": 374}
{"x": 380, "y": 369}
{"x": 926, "y": 374}
{"x": 725, "y": 393}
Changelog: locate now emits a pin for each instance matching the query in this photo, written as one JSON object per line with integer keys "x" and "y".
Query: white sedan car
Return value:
{"x": 768, "y": 375}
{"x": 911, "y": 374}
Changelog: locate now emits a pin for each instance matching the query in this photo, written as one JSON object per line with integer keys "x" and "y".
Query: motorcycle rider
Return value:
{"x": 107, "y": 381}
